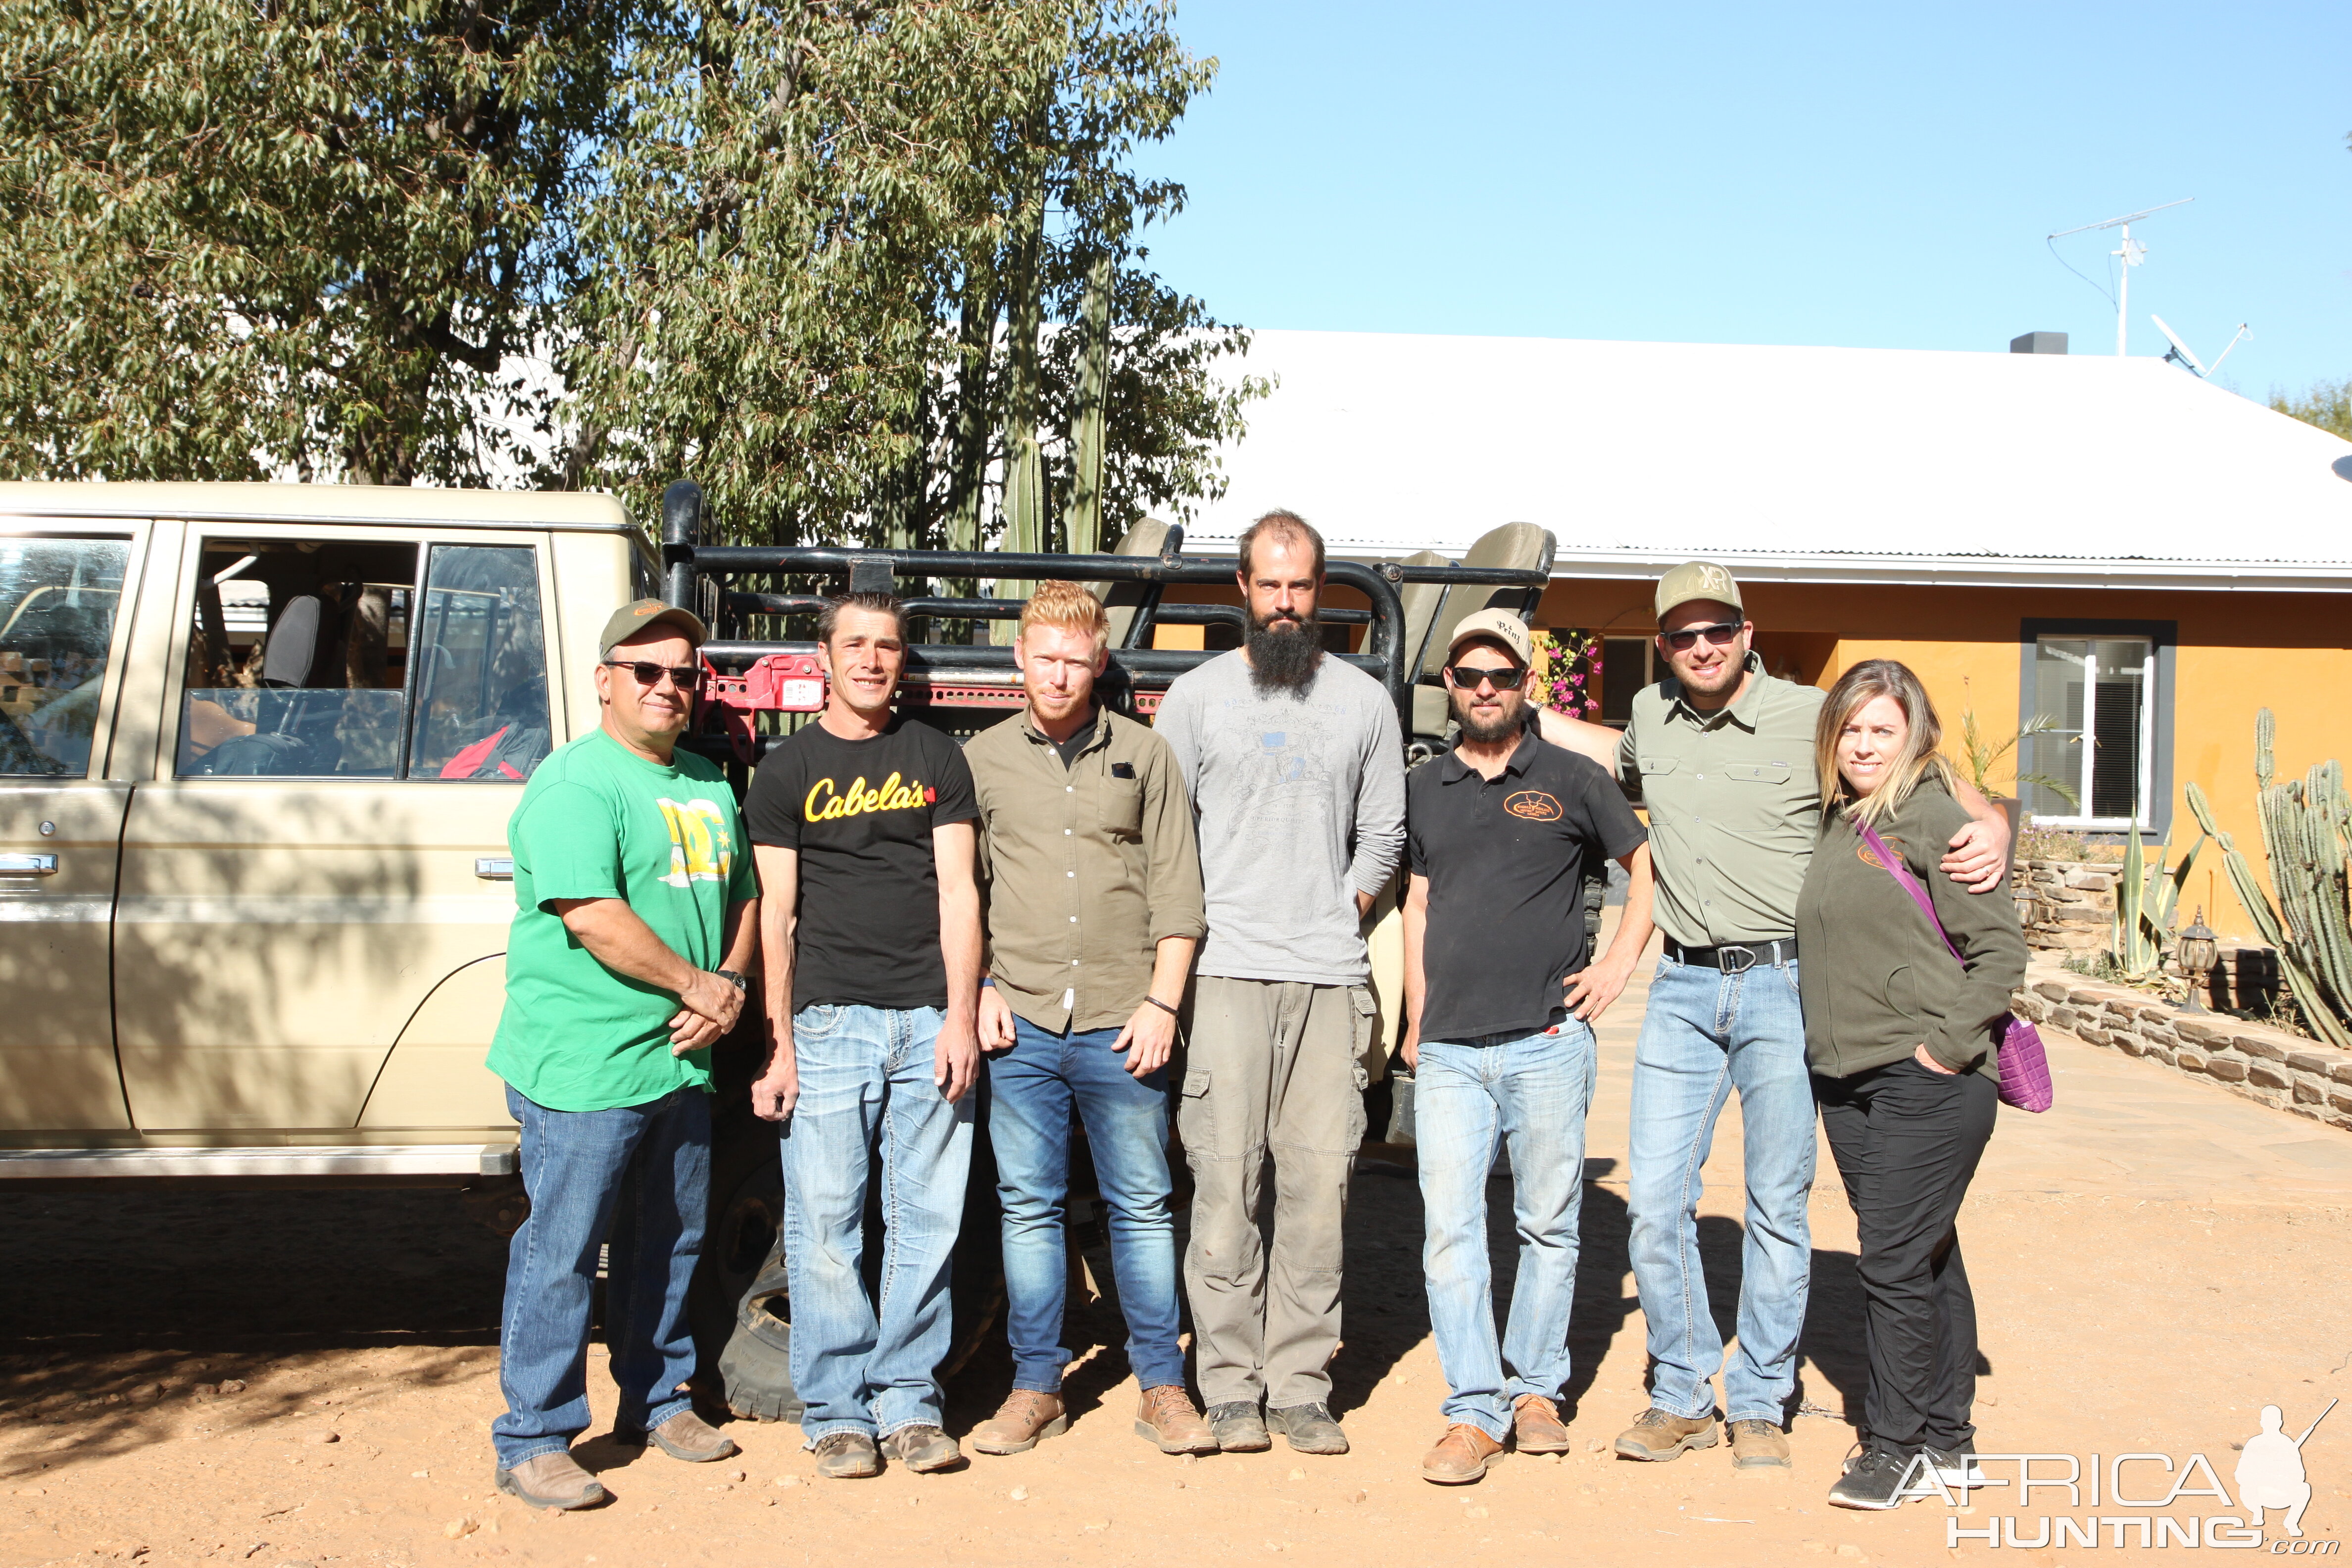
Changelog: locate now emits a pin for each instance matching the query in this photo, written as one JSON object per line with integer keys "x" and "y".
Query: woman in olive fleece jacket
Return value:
{"x": 1901, "y": 1039}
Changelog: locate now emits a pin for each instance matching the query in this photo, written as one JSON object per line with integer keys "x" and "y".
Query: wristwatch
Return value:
{"x": 740, "y": 982}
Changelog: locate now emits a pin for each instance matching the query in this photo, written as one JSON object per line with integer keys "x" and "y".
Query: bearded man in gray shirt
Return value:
{"x": 1296, "y": 773}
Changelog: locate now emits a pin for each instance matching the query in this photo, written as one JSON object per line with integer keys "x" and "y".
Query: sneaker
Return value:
{"x": 1239, "y": 1428}
{"x": 922, "y": 1449}
{"x": 1657, "y": 1434}
{"x": 847, "y": 1455}
{"x": 1311, "y": 1429}
{"x": 1027, "y": 1418}
{"x": 1955, "y": 1467}
{"x": 552, "y": 1480}
{"x": 1460, "y": 1456}
{"x": 1873, "y": 1478}
{"x": 1165, "y": 1415}
{"x": 1758, "y": 1445}
{"x": 1536, "y": 1425}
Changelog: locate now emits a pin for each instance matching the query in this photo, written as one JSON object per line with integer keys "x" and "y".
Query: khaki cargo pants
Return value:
{"x": 1275, "y": 1069}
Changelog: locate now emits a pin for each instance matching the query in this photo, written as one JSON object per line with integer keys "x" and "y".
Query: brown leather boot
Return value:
{"x": 1165, "y": 1417}
{"x": 552, "y": 1480}
{"x": 1536, "y": 1425}
{"x": 1027, "y": 1418}
{"x": 1462, "y": 1455}
{"x": 688, "y": 1437}
{"x": 1657, "y": 1434}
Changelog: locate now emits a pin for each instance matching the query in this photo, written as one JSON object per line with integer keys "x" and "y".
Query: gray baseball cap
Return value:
{"x": 1697, "y": 580}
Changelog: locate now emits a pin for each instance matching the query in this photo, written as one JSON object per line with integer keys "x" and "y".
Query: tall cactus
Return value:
{"x": 2148, "y": 902}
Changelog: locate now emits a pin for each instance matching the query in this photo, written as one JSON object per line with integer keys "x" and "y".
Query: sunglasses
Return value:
{"x": 649, "y": 675}
{"x": 1467, "y": 676}
{"x": 1720, "y": 634}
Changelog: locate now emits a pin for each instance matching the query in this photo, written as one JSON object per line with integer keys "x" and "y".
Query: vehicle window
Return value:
{"x": 298, "y": 659}
{"x": 481, "y": 666}
{"x": 58, "y": 598}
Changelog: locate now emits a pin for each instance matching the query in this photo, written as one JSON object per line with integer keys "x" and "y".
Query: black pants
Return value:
{"x": 1907, "y": 1142}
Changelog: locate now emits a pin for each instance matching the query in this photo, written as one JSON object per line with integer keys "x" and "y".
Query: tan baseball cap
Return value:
{"x": 1501, "y": 626}
{"x": 638, "y": 614}
{"x": 1697, "y": 580}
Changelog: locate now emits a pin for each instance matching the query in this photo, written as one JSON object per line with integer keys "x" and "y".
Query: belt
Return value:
{"x": 1734, "y": 957}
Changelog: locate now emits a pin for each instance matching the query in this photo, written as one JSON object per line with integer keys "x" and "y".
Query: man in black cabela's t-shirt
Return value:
{"x": 861, "y": 825}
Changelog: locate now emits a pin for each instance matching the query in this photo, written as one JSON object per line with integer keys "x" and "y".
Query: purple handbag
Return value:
{"x": 2024, "y": 1067}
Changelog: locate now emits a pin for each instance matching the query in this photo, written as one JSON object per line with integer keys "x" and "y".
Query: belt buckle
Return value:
{"x": 1724, "y": 952}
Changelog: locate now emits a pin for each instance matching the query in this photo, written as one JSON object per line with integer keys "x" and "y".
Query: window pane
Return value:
{"x": 2119, "y": 713}
{"x": 296, "y": 659}
{"x": 1624, "y": 662}
{"x": 58, "y": 603}
{"x": 481, "y": 666}
{"x": 2057, "y": 754}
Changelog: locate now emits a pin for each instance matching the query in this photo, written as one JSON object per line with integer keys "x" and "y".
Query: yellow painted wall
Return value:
{"x": 2236, "y": 653}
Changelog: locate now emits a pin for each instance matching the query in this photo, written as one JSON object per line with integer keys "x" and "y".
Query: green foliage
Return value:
{"x": 774, "y": 247}
{"x": 1980, "y": 757}
{"x": 2327, "y": 404}
{"x": 2147, "y": 902}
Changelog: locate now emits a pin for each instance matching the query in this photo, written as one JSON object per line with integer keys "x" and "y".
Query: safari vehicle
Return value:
{"x": 259, "y": 746}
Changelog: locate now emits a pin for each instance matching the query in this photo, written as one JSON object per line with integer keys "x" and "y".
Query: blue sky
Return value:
{"x": 1872, "y": 175}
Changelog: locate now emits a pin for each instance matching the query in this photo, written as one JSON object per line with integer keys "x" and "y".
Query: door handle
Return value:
{"x": 489, "y": 868}
{"x": 28, "y": 865}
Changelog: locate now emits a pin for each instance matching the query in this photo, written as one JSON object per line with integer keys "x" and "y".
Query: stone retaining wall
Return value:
{"x": 2065, "y": 906}
{"x": 2253, "y": 1060}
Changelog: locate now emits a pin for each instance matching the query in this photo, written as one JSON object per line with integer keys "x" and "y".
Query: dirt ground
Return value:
{"x": 2153, "y": 1261}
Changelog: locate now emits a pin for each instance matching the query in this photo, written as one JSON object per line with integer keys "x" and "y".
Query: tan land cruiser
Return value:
{"x": 259, "y": 746}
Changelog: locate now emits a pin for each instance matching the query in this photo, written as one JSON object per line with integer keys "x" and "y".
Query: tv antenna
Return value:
{"x": 2132, "y": 252}
{"x": 2179, "y": 354}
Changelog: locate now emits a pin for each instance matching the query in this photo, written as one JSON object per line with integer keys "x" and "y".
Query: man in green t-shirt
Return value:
{"x": 636, "y": 909}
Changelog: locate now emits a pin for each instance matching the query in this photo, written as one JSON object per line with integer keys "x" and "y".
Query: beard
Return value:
{"x": 1284, "y": 652}
{"x": 1506, "y": 727}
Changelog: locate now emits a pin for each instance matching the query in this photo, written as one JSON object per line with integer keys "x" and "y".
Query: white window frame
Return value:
{"x": 2089, "y": 753}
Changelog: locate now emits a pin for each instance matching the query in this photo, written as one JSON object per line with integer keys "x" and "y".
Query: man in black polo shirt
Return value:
{"x": 1502, "y": 1000}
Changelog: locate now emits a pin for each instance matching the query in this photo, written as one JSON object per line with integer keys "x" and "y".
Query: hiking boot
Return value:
{"x": 846, "y": 1455}
{"x": 1165, "y": 1417}
{"x": 553, "y": 1481}
{"x": 1460, "y": 1456}
{"x": 1239, "y": 1428}
{"x": 684, "y": 1436}
{"x": 1536, "y": 1425}
{"x": 1657, "y": 1434}
{"x": 922, "y": 1449}
{"x": 1311, "y": 1429}
{"x": 1027, "y": 1418}
{"x": 1955, "y": 1467}
{"x": 1758, "y": 1445}
{"x": 1873, "y": 1478}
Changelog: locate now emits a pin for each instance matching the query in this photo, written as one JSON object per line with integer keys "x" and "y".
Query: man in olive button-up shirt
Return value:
{"x": 1092, "y": 880}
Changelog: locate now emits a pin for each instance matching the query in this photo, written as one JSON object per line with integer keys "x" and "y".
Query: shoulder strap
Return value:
{"x": 1901, "y": 873}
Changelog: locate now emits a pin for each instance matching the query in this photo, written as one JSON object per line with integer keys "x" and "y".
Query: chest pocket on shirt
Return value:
{"x": 1759, "y": 772}
{"x": 1649, "y": 764}
{"x": 1119, "y": 806}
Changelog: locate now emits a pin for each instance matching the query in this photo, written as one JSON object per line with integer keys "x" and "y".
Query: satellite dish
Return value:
{"x": 2179, "y": 352}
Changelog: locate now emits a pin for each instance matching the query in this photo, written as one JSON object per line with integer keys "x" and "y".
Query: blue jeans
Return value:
{"x": 1033, "y": 1088}
{"x": 1706, "y": 1034}
{"x": 1530, "y": 1091}
{"x": 866, "y": 1088}
{"x": 641, "y": 1173}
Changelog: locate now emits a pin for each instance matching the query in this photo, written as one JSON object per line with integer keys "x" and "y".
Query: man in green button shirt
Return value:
{"x": 1722, "y": 755}
{"x": 633, "y": 926}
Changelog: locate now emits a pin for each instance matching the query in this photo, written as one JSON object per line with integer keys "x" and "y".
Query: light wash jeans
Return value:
{"x": 1032, "y": 1090}
{"x": 1706, "y": 1034}
{"x": 1530, "y": 1092}
{"x": 866, "y": 1093}
{"x": 638, "y": 1177}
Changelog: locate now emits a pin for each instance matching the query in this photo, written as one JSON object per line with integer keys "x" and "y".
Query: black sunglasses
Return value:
{"x": 1719, "y": 634}
{"x": 687, "y": 679}
{"x": 1467, "y": 676}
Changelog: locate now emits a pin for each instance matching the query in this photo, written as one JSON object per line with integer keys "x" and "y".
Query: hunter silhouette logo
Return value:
{"x": 2270, "y": 1470}
{"x": 1533, "y": 804}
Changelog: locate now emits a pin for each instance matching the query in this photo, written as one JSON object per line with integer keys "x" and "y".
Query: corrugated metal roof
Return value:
{"x": 1823, "y": 463}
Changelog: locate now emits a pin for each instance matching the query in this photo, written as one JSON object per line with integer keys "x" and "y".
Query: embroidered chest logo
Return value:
{"x": 828, "y": 802}
{"x": 1869, "y": 857}
{"x": 1533, "y": 804}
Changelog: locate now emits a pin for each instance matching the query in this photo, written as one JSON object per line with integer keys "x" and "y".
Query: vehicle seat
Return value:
{"x": 1516, "y": 546}
{"x": 1123, "y": 599}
